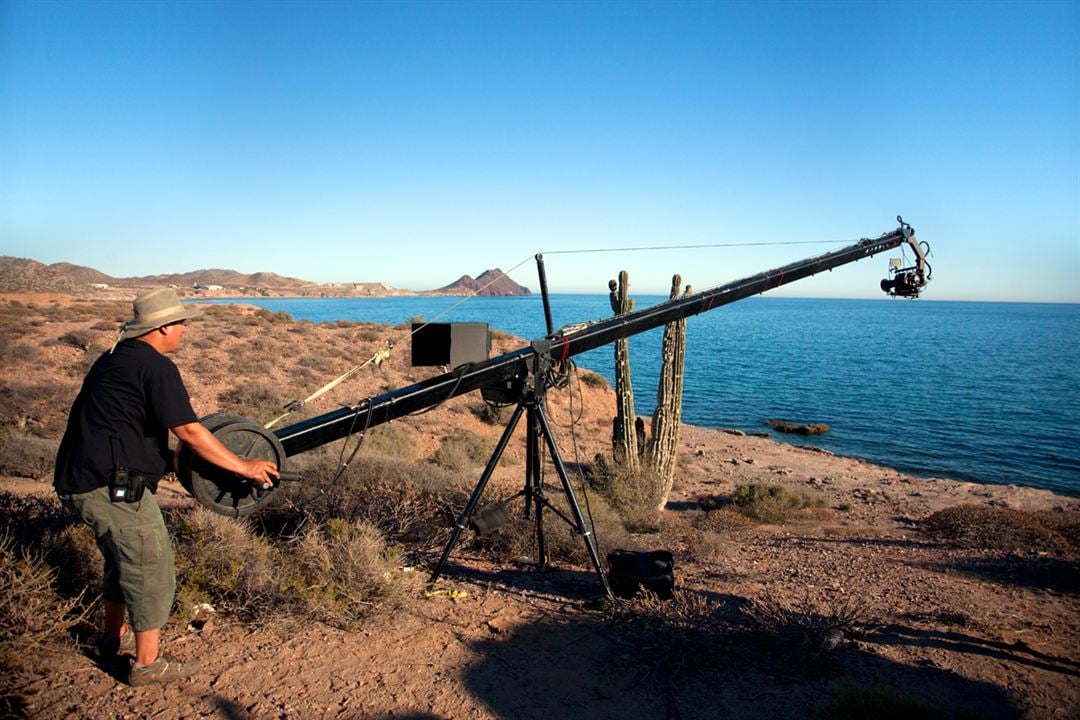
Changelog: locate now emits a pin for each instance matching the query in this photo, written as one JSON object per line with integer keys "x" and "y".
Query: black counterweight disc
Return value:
{"x": 220, "y": 490}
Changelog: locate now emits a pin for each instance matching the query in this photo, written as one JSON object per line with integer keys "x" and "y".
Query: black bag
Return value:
{"x": 629, "y": 570}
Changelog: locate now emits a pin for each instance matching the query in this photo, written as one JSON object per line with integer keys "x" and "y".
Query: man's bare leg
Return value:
{"x": 114, "y": 619}
{"x": 146, "y": 646}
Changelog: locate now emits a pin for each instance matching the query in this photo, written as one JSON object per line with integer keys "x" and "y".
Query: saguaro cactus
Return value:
{"x": 623, "y": 435}
{"x": 667, "y": 418}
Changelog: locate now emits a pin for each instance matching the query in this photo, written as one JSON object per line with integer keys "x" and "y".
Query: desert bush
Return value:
{"x": 255, "y": 400}
{"x": 634, "y": 495}
{"x": 995, "y": 528}
{"x": 347, "y": 570}
{"x": 80, "y": 339}
{"x": 391, "y": 440}
{"x": 221, "y": 561}
{"x": 490, "y": 413}
{"x": 24, "y": 455}
{"x": 517, "y": 538}
{"x": 772, "y": 503}
{"x": 374, "y": 333}
{"x": 705, "y": 546}
{"x": 407, "y": 502}
{"x": 672, "y": 637}
{"x": 463, "y": 451}
{"x": 724, "y": 521}
{"x": 32, "y": 615}
{"x": 30, "y": 520}
{"x": 73, "y": 552}
{"x": 24, "y": 351}
{"x": 594, "y": 380}
{"x": 806, "y": 628}
{"x": 279, "y": 317}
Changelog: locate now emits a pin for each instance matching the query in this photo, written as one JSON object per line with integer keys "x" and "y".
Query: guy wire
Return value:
{"x": 693, "y": 247}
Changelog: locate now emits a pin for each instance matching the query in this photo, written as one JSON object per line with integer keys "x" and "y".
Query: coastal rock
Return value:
{"x": 786, "y": 426}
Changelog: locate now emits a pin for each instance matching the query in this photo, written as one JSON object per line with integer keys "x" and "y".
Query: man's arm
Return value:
{"x": 209, "y": 448}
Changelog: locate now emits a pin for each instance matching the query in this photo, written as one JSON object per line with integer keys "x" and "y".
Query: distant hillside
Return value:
{"x": 491, "y": 282}
{"x": 21, "y": 275}
{"x": 225, "y": 278}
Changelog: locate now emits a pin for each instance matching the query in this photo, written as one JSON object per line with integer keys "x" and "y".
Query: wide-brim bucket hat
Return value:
{"x": 156, "y": 308}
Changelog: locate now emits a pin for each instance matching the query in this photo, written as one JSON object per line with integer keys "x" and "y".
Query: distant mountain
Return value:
{"x": 491, "y": 282}
{"x": 24, "y": 275}
{"x": 224, "y": 278}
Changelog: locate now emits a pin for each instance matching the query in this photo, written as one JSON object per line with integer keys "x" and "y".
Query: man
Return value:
{"x": 117, "y": 441}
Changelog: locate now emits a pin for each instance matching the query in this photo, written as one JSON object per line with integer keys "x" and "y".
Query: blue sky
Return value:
{"x": 411, "y": 143}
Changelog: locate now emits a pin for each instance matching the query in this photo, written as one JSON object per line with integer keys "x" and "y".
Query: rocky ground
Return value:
{"x": 848, "y": 594}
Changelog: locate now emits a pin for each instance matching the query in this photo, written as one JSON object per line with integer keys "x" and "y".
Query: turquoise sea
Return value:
{"x": 986, "y": 392}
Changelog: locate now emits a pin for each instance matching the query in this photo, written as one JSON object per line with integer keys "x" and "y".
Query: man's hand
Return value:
{"x": 209, "y": 448}
{"x": 263, "y": 472}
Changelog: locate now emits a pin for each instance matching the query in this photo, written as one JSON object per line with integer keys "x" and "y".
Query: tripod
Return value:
{"x": 531, "y": 405}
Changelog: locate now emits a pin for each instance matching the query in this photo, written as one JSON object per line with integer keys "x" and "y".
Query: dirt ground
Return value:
{"x": 972, "y": 633}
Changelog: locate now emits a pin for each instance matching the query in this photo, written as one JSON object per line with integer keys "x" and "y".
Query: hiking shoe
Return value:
{"x": 112, "y": 646}
{"x": 165, "y": 669}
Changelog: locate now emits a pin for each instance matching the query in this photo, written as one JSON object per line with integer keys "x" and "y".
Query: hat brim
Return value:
{"x": 185, "y": 312}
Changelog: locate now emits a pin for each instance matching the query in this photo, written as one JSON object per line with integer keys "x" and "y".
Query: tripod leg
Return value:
{"x": 534, "y": 487}
{"x": 463, "y": 519}
{"x": 571, "y": 499}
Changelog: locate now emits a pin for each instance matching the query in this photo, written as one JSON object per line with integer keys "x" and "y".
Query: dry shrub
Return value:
{"x": 464, "y": 451}
{"x": 594, "y": 380}
{"x": 254, "y": 400}
{"x": 705, "y": 546}
{"x": 563, "y": 543}
{"x": 346, "y": 570}
{"x": 221, "y": 561}
{"x": 635, "y": 496}
{"x": 80, "y": 339}
{"x": 724, "y": 521}
{"x": 669, "y": 638}
{"x": 391, "y": 440}
{"x": 408, "y": 502}
{"x": 24, "y": 455}
{"x": 807, "y": 628}
{"x": 30, "y": 521}
{"x": 32, "y": 616}
{"x": 994, "y": 528}
{"x": 74, "y": 553}
{"x": 772, "y": 503}
{"x": 24, "y": 351}
{"x": 490, "y": 413}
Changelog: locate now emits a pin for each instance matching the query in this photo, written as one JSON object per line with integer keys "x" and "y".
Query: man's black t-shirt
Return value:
{"x": 121, "y": 418}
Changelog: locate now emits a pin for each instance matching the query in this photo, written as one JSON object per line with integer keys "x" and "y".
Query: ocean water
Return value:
{"x": 985, "y": 392}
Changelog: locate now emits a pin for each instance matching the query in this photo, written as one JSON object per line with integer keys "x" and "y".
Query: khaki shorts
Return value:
{"x": 139, "y": 565}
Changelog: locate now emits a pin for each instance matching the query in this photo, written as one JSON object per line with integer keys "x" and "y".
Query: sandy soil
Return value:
{"x": 991, "y": 634}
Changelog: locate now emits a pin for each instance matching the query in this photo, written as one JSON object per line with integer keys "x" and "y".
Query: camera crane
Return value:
{"x": 521, "y": 376}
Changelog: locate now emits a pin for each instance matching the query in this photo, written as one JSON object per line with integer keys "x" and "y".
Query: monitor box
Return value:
{"x": 452, "y": 344}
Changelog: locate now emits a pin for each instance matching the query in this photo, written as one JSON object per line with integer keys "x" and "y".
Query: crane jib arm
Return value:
{"x": 568, "y": 342}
